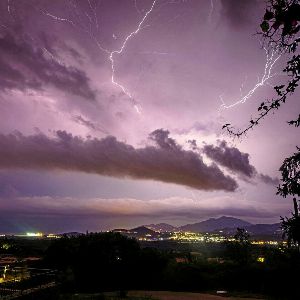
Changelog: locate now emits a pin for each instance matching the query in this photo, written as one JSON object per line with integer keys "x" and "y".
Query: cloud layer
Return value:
{"x": 231, "y": 158}
{"x": 236, "y": 161}
{"x": 59, "y": 214}
{"x": 174, "y": 206}
{"x": 22, "y": 66}
{"x": 166, "y": 161}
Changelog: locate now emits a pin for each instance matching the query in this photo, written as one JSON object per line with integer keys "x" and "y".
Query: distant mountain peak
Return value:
{"x": 227, "y": 224}
{"x": 162, "y": 227}
{"x": 142, "y": 230}
{"x": 214, "y": 224}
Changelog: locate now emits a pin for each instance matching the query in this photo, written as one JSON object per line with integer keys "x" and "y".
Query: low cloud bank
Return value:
{"x": 236, "y": 161}
{"x": 231, "y": 158}
{"x": 166, "y": 161}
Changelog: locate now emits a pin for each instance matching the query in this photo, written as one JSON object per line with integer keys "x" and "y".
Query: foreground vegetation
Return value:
{"x": 109, "y": 262}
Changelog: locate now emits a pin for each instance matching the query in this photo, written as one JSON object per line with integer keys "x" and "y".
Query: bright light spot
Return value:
{"x": 34, "y": 234}
{"x": 261, "y": 259}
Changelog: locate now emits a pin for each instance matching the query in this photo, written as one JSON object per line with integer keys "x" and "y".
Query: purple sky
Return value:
{"x": 111, "y": 114}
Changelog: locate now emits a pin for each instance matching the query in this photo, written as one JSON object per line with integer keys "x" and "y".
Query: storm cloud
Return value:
{"x": 23, "y": 66}
{"x": 268, "y": 179}
{"x": 231, "y": 158}
{"x": 165, "y": 161}
{"x": 236, "y": 161}
{"x": 238, "y": 13}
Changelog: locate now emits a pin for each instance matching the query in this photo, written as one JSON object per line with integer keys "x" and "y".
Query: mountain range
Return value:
{"x": 215, "y": 224}
{"x": 226, "y": 224}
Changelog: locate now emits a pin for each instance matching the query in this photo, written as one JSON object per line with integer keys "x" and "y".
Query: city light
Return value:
{"x": 193, "y": 237}
{"x": 34, "y": 234}
{"x": 52, "y": 236}
{"x": 261, "y": 259}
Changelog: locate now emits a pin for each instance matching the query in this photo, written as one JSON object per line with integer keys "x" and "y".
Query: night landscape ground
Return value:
{"x": 149, "y": 149}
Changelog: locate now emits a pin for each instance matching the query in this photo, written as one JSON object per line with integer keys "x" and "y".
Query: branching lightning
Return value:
{"x": 57, "y": 18}
{"x": 271, "y": 58}
{"x": 118, "y": 52}
{"x": 93, "y": 21}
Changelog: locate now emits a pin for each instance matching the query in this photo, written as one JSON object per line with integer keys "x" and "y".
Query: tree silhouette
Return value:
{"x": 242, "y": 236}
{"x": 291, "y": 227}
{"x": 239, "y": 250}
{"x": 279, "y": 30}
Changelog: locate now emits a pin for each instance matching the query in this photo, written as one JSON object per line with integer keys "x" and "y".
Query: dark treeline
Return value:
{"x": 109, "y": 261}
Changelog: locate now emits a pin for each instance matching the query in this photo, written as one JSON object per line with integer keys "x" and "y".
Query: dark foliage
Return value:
{"x": 100, "y": 262}
{"x": 280, "y": 31}
{"x": 108, "y": 261}
{"x": 290, "y": 171}
{"x": 240, "y": 250}
{"x": 291, "y": 227}
{"x": 104, "y": 261}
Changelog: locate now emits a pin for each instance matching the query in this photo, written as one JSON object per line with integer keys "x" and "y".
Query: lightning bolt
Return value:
{"x": 118, "y": 52}
{"x": 111, "y": 54}
{"x": 271, "y": 58}
{"x": 58, "y": 18}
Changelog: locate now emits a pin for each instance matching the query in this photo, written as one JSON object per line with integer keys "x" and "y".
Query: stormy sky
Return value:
{"x": 112, "y": 113}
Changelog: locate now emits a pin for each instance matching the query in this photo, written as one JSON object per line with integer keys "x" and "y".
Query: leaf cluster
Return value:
{"x": 292, "y": 69}
{"x": 291, "y": 227}
{"x": 290, "y": 171}
{"x": 281, "y": 23}
{"x": 279, "y": 28}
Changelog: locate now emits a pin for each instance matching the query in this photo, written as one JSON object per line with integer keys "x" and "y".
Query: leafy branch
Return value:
{"x": 293, "y": 71}
{"x": 290, "y": 171}
{"x": 279, "y": 28}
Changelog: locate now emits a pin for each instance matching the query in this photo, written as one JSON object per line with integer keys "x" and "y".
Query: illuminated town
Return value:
{"x": 177, "y": 236}
{"x": 185, "y": 247}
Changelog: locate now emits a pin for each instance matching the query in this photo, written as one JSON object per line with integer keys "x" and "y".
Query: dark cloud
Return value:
{"x": 239, "y": 13}
{"x": 12, "y": 78}
{"x": 231, "y": 158}
{"x": 268, "y": 179}
{"x": 24, "y": 66}
{"x": 162, "y": 139}
{"x": 81, "y": 120}
{"x": 165, "y": 162}
{"x": 236, "y": 161}
{"x": 193, "y": 144}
